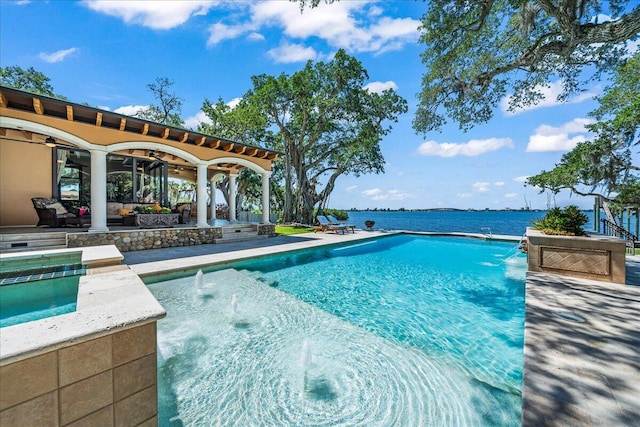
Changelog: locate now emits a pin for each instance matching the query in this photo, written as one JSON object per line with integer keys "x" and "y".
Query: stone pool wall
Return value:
{"x": 139, "y": 240}
{"x": 267, "y": 229}
{"x": 106, "y": 381}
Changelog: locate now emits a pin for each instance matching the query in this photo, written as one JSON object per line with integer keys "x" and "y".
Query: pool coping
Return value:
{"x": 110, "y": 297}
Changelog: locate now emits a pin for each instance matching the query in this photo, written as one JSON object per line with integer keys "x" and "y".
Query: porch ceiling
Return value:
{"x": 76, "y": 113}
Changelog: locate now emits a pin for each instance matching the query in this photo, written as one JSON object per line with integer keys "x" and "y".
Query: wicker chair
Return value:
{"x": 51, "y": 212}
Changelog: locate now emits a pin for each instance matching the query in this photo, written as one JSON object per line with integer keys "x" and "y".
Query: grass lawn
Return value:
{"x": 285, "y": 230}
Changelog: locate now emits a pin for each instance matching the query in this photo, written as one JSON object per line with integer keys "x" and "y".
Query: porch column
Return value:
{"x": 98, "y": 190}
{"x": 201, "y": 197}
{"x": 265, "y": 197}
{"x": 212, "y": 197}
{"x": 232, "y": 197}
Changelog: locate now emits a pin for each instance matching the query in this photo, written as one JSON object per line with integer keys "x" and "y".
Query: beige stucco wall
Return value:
{"x": 596, "y": 257}
{"x": 25, "y": 172}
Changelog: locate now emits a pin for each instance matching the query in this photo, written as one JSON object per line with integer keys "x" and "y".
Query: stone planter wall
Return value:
{"x": 268, "y": 229}
{"x": 596, "y": 257}
{"x": 139, "y": 240}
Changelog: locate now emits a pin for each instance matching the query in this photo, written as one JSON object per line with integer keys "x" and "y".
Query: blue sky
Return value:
{"x": 104, "y": 53}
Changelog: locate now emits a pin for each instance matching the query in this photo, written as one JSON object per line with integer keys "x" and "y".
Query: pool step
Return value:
{"x": 20, "y": 242}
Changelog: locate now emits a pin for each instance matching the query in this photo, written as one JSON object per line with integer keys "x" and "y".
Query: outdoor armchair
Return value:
{"x": 325, "y": 225}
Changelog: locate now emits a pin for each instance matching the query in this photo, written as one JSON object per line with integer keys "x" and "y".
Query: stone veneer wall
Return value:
{"x": 140, "y": 240}
{"x": 596, "y": 257}
{"x": 106, "y": 381}
{"x": 268, "y": 229}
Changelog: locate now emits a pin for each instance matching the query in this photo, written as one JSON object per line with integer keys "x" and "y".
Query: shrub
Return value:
{"x": 565, "y": 222}
{"x": 339, "y": 214}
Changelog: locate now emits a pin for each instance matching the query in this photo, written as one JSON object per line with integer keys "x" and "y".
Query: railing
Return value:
{"x": 612, "y": 229}
{"x": 487, "y": 232}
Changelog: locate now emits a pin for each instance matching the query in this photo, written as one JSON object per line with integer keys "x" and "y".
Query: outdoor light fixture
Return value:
{"x": 50, "y": 142}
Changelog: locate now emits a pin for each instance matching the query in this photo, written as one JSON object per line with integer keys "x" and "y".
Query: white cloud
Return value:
{"x": 510, "y": 195}
{"x": 234, "y": 102}
{"x": 355, "y": 26}
{"x": 193, "y": 121}
{"x": 130, "y": 110}
{"x": 563, "y": 138}
{"x": 522, "y": 178}
{"x": 379, "y": 87}
{"x": 464, "y": 195}
{"x": 288, "y": 53}
{"x": 255, "y": 37}
{"x": 481, "y": 187}
{"x": 351, "y": 188}
{"x": 549, "y": 99}
{"x": 159, "y": 15}
{"x": 378, "y": 194}
{"x": 473, "y": 148}
{"x": 498, "y": 183}
{"x": 57, "y": 56}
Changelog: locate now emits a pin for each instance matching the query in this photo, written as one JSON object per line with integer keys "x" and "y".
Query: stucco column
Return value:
{"x": 201, "y": 197}
{"x": 98, "y": 191}
{"x": 212, "y": 197}
{"x": 265, "y": 197}
{"x": 232, "y": 197}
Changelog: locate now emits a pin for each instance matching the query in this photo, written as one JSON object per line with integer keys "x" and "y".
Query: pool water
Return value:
{"x": 35, "y": 300}
{"x": 398, "y": 331}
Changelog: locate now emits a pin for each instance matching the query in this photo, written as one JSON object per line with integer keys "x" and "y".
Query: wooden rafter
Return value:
{"x": 165, "y": 133}
{"x": 264, "y": 155}
{"x": 99, "y": 119}
{"x": 215, "y": 144}
{"x": 28, "y": 135}
{"x": 4, "y": 102}
{"x": 241, "y": 150}
{"x": 3, "y": 132}
{"x": 201, "y": 141}
{"x": 228, "y": 147}
{"x": 145, "y": 129}
{"x": 123, "y": 124}
{"x": 252, "y": 152}
{"x": 37, "y": 106}
{"x": 184, "y": 137}
{"x": 69, "y": 113}
{"x": 272, "y": 156}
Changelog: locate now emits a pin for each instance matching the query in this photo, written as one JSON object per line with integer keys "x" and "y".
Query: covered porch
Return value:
{"x": 111, "y": 158}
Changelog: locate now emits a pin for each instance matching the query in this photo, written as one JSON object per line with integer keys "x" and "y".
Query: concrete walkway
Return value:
{"x": 582, "y": 337}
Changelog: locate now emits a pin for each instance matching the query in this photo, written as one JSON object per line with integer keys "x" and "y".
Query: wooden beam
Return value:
{"x": 28, "y": 135}
{"x": 272, "y": 156}
{"x": 241, "y": 150}
{"x": 69, "y": 113}
{"x": 3, "y": 132}
{"x": 264, "y": 155}
{"x": 99, "y": 119}
{"x": 201, "y": 141}
{"x": 145, "y": 129}
{"x": 123, "y": 123}
{"x": 184, "y": 137}
{"x": 37, "y": 106}
{"x": 228, "y": 147}
{"x": 4, "y": 102}
{"x": 215, "y": 144}
{"x": 131, "y": 151}
{"x": 252, "y": 152}
{"x": 165, "y": 133}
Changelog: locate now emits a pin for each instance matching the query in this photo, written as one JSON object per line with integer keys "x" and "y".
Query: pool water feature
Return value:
{"x": 404, "y": 330}
{"x": 34, "y": 287}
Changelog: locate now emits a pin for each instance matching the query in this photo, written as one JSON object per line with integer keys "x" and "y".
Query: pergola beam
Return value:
{"x": 37, "y": 106}
{"x": 69, "y": 113}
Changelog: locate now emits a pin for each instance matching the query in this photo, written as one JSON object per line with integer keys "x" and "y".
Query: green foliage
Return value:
{"x": 567, "y": 221}
{"x": 29, "y": 80}
{"x": 327, "y": 124}
{"x": 151, "y": 210}
{"x": 337, "y": 213}
{"x": 605, "y": 166}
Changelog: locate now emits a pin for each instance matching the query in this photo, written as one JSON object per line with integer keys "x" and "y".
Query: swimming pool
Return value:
{"x": 402, "y": 330}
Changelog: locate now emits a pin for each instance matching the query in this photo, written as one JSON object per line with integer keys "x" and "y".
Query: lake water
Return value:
{"x": 513, "y": 223}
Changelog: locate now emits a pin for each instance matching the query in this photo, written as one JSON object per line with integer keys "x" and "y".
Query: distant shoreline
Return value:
{"x": 450, "y": 210}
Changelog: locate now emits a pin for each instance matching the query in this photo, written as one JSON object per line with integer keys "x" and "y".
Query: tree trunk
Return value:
{"x": 288, "y": 190}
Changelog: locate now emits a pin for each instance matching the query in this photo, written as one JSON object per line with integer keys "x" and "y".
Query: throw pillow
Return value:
{"x": 60, "y": 210}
